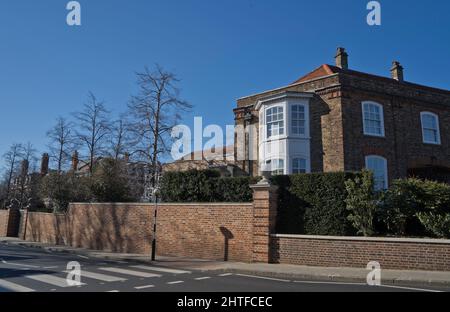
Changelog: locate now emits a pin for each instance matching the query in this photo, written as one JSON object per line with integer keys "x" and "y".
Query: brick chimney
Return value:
{"x": 397, "y": 71}
{"x": 126, "y": 157}
{"x": 24, "y": 168}
{"x": 44, "y": 164}
{"x": 75, "y": 161}
{"x": 341, "y": 58}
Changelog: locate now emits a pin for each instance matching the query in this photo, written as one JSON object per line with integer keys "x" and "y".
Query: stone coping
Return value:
{"x": 165, "y": 204}
{"x": 366, "y": 239}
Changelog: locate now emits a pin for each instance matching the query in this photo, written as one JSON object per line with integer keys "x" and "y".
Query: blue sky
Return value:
{"x": 222, "y": 50}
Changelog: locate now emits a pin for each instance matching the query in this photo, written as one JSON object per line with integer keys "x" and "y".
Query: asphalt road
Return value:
{"x": 27, "y": 269}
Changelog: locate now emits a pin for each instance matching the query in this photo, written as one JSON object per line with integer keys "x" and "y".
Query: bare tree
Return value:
{"x": 12, "y": 159}
{"x": 121, "y": 140}
{"x": 62, "y": 142}
{"x": 93, "y": 128}
{"x": 155, "y": 111}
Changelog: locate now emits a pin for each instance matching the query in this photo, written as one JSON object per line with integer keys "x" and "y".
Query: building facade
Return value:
{"x": 338, "y": 119}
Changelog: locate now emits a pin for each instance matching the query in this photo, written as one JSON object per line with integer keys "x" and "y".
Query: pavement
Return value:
{"x": 30, "y": 266}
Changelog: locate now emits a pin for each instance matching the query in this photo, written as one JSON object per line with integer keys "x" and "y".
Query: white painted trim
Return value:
{"x": 366, "y": 239}
{"x": 437, "y": 125}
{"x": 386, "y": 172}
{"x": 383, "y": 131}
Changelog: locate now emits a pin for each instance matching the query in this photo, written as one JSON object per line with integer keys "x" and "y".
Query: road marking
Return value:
{"x": 202, "y": 278}
{"x": 99, "y": 276}
{"x": 84, "y": 257}
{"x": 130, "y": 272}
{"x": 332, "y": 283}
{"x": 159, "y": 269}
{"x": 14, "y": 287}
{"x": 23, "y": 265}
{"x": 52, "y": 280}
{"x": 113, "y": 291}
{"x": 410, "y": 288}
{"x": 144, "y": 287}
{"x": 265, "y": 278}
{"x": 175, "y": 282}
{"x": 51, "y": 267}
{"x": 226, "y": 274}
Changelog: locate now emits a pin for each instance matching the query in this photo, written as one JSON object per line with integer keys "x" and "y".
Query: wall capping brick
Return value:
{"x": 165, "y": 204}
{"x": 366, "y": 239}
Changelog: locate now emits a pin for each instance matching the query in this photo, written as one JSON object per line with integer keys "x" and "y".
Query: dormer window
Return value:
{"x": 275, "y": 121}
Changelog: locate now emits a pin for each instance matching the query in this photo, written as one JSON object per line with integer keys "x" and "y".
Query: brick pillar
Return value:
{"x": 264, "y": 220}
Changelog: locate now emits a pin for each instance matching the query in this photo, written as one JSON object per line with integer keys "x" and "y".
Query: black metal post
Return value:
{"x": 154, "y": 229}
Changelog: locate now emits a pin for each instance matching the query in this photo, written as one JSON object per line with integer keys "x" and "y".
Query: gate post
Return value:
{"x": 265, "y": 198}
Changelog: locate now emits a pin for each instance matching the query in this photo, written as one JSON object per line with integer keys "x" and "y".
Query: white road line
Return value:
{"x": 159, "y": 269}
{"x": 100, "y": 277}
{"x": 226, "y": 274}
{"x": 411, "y": 288}
{"x": 23, "y": 265}
{"x": 50, "y": 267}
{"x": 14, "y": 287}
{"x": 130, "y": 272}
{"x": 52, "y": 280}
{"x": 265, "y": 278}
{"x": 175, "y": 282}
{"x": 332, "y": 283}
{"x": 84, "y": 257}
{"x": 202, "y": 278}
{"x": 144, "y": 287}
{"x": 112, "y": 291}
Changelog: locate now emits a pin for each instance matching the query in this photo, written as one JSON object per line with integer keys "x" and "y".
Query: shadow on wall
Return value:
{"x": 110, "y": 227}
{"x": 227, "y": 236}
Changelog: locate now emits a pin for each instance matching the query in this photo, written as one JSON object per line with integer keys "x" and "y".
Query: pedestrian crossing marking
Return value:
{"x": 52, "y": 280}
{"x": 100, "y": 277}
{"x": 130, "y": 272}
{"x": 144, "y": 287}
{"x": 159, "y": 269}
{"x": 14, "y": 287}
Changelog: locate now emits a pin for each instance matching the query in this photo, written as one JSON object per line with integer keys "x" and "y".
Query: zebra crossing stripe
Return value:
{"x": 52, "y": 280}
{"x": 159, "y": 269}
{"x": 14, "y": 287}
{"x": 100, "y": 277}
{"x": 130, "y": 272}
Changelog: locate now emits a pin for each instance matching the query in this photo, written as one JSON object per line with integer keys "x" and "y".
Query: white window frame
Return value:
{"x": 386, "y": 173}
{"x": 299, "y": 158}
{"x": 266, "y": 125}
{"x": 363, "y": 104}
{"x": 438, "y": 132}
{"x": 272, "y": 170}
{"x": 305, "y": 120}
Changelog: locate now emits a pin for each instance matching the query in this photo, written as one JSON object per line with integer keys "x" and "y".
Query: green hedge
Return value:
{"x": 205, "y": 186}
{"x": 313, "y": 204}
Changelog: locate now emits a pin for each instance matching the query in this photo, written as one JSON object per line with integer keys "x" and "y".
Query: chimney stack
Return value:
{"x": 24, "y": 168}
{"x": 44, "y": 164}
{"x": 397, "y": 71}
{"x": 75, "y": 161}
{"x": 341, "y": 58}
{"x": 126, "y": 158}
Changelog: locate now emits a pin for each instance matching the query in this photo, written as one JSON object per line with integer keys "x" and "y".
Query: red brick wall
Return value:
{"x": 4, "y": 219}
{"x": 407, "y": 254}
{"x": 204, "y": 231}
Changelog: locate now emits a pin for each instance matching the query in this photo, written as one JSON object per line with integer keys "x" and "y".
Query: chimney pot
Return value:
{"x": 397, "y": 71}
{"x": 341, "y": 58}
{"x": 44, "y": 164}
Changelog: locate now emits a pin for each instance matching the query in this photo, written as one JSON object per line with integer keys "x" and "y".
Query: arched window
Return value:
{"x": 378, "y": 165}
{"x": 373, "y": 119}
{"x": 275, "y": 121}
{"x": 430, "y": 128}
{"x": 299, "y": 165}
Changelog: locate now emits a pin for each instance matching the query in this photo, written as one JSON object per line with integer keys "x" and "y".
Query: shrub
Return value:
{"x": 205, "y": 186}
{"x": 361, "y": 203}
{"x": 313, "y": 204}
